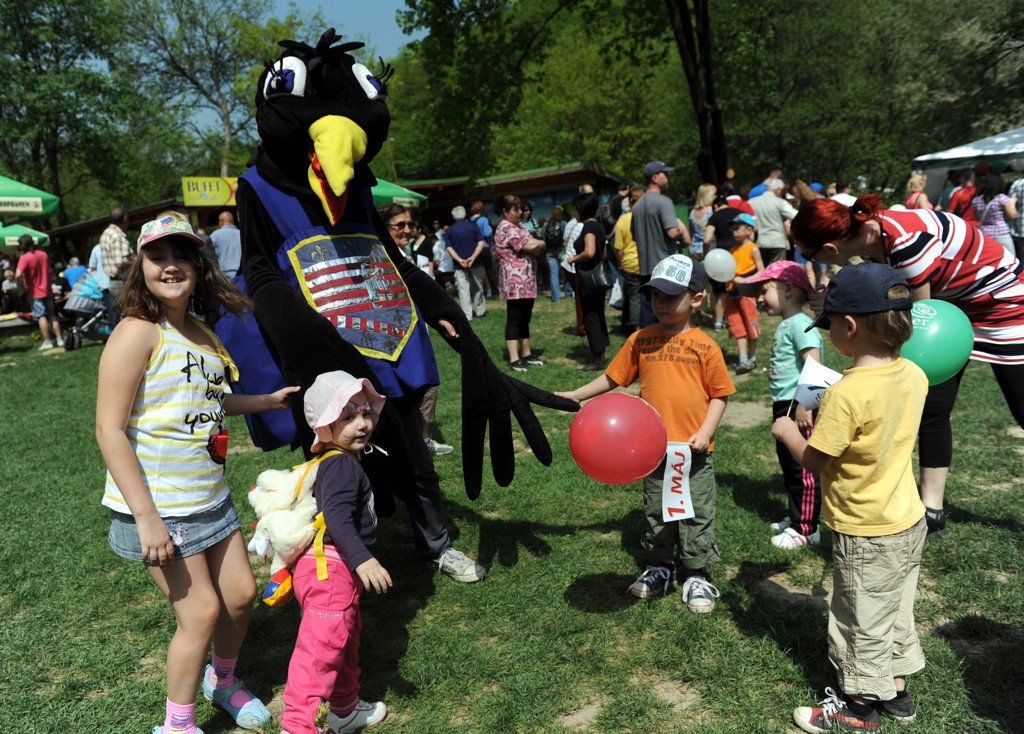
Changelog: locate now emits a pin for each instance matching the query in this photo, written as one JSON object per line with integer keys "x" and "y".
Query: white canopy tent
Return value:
{"x": 1006, "y": 147}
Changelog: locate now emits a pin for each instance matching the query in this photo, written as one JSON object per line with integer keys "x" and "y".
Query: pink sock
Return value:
{"x": 181, "y": 718}
{"x": 222, "y": 671}
{"x": 222, "y": 675}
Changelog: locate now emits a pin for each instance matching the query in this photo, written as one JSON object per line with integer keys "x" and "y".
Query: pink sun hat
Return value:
{"x": 327, "y": 397}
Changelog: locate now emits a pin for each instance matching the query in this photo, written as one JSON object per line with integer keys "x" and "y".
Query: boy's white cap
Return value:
{"x": 328, "y": 396}
{"x": 675, "y": 274}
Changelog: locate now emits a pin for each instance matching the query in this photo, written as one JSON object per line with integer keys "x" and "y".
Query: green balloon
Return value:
{"x": 942, "y": 340}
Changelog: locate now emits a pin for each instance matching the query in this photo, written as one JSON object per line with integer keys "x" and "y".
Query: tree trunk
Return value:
{"x": 226, "y": 150}
{"x": 694, "y": 47}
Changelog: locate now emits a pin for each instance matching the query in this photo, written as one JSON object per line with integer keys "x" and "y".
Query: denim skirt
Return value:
{"x": 192, "y": 534}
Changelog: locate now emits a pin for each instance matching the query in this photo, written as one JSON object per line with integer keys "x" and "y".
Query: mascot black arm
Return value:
{"x": 489, "y": 396}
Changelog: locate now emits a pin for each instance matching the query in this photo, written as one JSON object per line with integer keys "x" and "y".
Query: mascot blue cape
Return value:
{"x": 332, "y": 290}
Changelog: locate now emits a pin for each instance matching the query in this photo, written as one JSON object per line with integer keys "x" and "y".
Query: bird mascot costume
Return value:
{"x": 332, "y": 291}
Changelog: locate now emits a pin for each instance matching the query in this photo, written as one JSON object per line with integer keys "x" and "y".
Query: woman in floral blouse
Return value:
{"x": 517, "y": 251}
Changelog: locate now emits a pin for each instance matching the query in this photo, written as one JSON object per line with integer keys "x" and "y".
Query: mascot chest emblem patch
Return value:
{"x": 348, "y": 278}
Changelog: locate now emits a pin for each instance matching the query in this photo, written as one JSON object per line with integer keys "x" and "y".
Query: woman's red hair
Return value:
{"x": 826, "y": 220}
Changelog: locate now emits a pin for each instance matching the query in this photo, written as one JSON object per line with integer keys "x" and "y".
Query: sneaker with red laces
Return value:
{"x": 833, "y": 714}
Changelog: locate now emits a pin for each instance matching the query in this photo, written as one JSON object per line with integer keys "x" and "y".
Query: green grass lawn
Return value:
{"x": 550, "y": 641}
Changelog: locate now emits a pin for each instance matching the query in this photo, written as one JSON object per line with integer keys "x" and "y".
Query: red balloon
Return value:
{"x": 617, "y": 438}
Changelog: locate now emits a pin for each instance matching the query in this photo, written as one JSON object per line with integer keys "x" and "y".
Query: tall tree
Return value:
{"x": 207, "y": 55}
{"x": 691, "y": 27}
{"x": 57, "y": 110}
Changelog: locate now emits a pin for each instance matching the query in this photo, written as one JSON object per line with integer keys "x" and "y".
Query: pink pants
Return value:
{"x": 324, "y": 669}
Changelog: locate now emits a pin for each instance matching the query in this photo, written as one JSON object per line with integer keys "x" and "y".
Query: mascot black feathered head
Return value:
{"x": 322, "y": 117}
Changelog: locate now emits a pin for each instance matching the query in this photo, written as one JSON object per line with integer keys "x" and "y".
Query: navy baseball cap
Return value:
{"x": 656, "y": 167}
{"x": 860, "y": 289}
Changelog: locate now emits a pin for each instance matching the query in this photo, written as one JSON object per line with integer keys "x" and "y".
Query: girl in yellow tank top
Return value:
{"x": 162, "y": 396}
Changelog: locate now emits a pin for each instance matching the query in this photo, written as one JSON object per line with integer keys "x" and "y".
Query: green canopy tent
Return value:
{"x": 23, "y": 200}
{"x": 385, "y": 193}
{"x": 9, "y": 236}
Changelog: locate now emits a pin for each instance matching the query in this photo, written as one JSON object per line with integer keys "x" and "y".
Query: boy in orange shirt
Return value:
{"x": 740, "y": 310}
{"x": 683, "y": 375}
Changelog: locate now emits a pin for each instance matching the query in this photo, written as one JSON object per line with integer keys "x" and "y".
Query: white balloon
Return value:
{"x": 720, "y": 265}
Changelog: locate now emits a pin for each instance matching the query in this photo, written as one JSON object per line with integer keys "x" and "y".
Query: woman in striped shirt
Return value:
{"x": 162, "y": 397}
{"x": 941, "y": 256}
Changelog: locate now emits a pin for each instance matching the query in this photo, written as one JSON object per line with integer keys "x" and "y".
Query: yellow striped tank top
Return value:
{"x": 178, "y": 408}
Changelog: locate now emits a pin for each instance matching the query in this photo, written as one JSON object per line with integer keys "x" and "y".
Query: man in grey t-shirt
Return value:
{"x": 656, "y": 229}
{"x": 773, "y": 213}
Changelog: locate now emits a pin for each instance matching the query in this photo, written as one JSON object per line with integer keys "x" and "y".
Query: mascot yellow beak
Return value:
{"x": 338, "y": 144}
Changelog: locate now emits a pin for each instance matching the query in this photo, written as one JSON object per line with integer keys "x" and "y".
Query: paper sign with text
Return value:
{"x": 675, "y": 489}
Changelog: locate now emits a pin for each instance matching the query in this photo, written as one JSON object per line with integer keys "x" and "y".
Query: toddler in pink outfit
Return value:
{"x": 322, "y": 693}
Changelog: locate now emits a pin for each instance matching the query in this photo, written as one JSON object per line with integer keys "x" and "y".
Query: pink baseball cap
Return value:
{"x": 327, "y": 397}
{"x": 167, "y": 227}
{"x": 785, "y": 270}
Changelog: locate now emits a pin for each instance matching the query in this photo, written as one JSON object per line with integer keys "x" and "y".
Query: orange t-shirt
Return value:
{"x": 679, "y": 375}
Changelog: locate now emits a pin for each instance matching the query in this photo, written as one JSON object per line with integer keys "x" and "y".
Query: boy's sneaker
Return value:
{"x": 60, "y": 341}
{"x": 790, "y": 539}
{"x": 719, "y": 325}
{"x": 699, "y": 595}
{"x": 934, "y": 519}
{"x": 46, "y": 345}
{"x": 744, "y": 366}
{"x": 437, "y": 449}
{"x": 459, "y": 566}
{"x": 778, "y": 527}
{"x": 532, "y": 361}
{"x": 901, "y": 709}
{"x": 363, "y": 716}
{"x": 653, "y": 582}
{"x": 833, "y": 714}
{"x": 519, "y": 365}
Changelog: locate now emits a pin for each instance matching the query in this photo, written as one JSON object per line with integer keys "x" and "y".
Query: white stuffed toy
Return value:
{"x": 285, "y": 512}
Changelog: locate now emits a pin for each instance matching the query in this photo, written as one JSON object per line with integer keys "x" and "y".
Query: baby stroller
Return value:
{"x": 85, "y": 304}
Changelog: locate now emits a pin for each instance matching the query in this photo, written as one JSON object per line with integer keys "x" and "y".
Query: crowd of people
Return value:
{"x": 813, "y": 257}
{"x": 847, "y": 462}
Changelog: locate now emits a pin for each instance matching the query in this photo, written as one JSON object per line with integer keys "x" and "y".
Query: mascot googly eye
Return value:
{"x": 287, "y": 75}
{"x": 375, "y": 86}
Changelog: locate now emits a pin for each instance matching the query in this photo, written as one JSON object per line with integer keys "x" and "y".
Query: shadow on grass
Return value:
{"x": 766, "y": 498}
{"x": 991, "y": 653}
{"x": 957, "y": 514}
{"x": 601, "y": 593}
{"x": 762, "y": 605}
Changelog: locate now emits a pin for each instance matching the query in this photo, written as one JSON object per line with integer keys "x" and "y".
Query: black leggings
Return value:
{"x": 519, "y": 312}
{"x": 935, "y": 438}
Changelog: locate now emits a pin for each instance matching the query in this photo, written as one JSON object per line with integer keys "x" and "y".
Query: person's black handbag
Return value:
{"x": 595, "y": 280}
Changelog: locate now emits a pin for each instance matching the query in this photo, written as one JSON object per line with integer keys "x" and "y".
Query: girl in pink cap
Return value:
{"x": 161, "y": 401}
{"x": 323, "y": 676}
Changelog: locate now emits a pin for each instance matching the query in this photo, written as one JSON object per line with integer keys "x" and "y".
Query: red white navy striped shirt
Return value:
{"x": 966, "y": 268}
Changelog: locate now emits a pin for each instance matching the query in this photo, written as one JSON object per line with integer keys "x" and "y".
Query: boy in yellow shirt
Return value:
{"x": 862, "y": 445}
{"x": 683, "y": 376}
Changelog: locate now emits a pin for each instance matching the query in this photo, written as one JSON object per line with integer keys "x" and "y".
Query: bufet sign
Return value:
{"x": 208, "y": 191}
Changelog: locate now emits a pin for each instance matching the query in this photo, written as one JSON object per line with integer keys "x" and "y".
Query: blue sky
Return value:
{"x": 371, "y": 20}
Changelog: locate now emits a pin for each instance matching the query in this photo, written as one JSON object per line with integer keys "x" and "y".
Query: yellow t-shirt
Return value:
{"x": 629, "y": 258}
{"x": 679, "y": 374}
{"x": 868, "y": 423}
